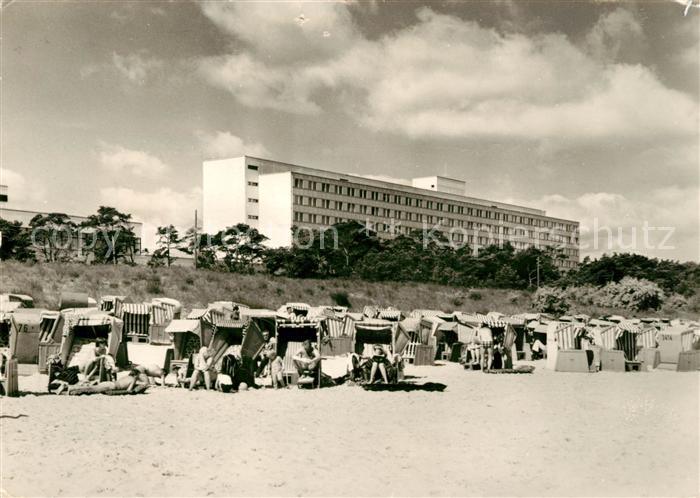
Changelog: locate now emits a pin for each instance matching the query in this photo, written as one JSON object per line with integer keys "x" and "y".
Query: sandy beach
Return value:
{"x": 545, "y": 434}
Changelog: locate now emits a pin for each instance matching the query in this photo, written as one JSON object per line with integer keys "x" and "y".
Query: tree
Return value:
{"x": 203, "y": 244}
{"x": 54, "y": 235}
{"x": 242, "y": 247}
{"x": 113, "y": 237}
{"x": 167, "y": 239}
{"x": 15, "y": 242}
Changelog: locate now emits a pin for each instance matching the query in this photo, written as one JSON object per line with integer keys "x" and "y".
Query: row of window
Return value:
{"x": 494, "y": 230}
{"x": 351, "y": 207}
{"x": 396, "y": 199}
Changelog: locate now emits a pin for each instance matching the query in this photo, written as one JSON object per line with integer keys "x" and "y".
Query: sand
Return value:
{"x": 545, "y": 434}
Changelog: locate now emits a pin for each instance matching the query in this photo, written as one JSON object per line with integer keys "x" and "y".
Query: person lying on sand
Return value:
{"x": 307, "y": 362}
{"x": 152, "y": 372}
{"x": 133, "y": 382}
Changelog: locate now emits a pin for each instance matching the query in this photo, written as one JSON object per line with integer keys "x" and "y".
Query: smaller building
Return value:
{"x": 80, "y": 240}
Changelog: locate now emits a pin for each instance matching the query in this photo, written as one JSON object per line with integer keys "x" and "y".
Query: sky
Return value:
{"x": 588, "y": 110}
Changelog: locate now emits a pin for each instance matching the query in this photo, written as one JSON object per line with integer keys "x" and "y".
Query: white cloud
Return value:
{"x": 277, "y": 35}
{"x": 615, "y": 222}
{"x": 23, "y": 194}
{"x": 135, "y": 67}
{"x": 223, "y": 144}
{"x": 614, "y": 33}
{"x": 120, "y": 160}
{"x": 155, "y": 208}
{"x": 446, "y": 77}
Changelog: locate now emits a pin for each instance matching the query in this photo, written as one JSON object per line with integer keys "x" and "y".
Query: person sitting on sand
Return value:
{"x": 202, "y": 365}
{"x": 379, "y": 362}
{"x": 486, "y": 338}
{"x": 307, "y": 362}
{"x": 173, "y": 379}
{"x": 134, "y": 382}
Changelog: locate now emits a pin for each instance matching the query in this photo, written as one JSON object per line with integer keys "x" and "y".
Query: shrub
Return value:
{"x": 475, "y": 296}
{"x": 676, "y": 301}
{"x": 341, "y": 298}
{"x": 631, "y": 293}
{"x": 550, "y": 300}
{"x": 457, "y": 301}
{"x": 189, "y": 280}
{"x": 153, "y": 285}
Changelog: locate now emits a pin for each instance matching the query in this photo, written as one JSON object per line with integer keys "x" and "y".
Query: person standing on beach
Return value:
{"x": 486, "y": 339}
{"x": 202, "y": 365}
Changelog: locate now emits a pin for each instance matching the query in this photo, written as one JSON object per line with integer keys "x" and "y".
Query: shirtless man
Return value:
{"x": 307, "y": 362}
{"x": 132, "y": 383}
{"x": 152, "y": 372}
{"x": 486, "y": 339}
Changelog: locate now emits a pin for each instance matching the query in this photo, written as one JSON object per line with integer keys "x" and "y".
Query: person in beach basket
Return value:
{"x": 307, "y": 362}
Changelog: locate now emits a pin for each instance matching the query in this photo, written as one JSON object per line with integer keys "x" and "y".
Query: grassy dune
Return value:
{"x": 45, "y": 283}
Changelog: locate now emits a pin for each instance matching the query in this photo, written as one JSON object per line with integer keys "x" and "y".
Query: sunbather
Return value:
{"x": 173, "y": 379}
{"x": 307, "y": 362}
{"x": 131, "y": 383}
{"x": 202, "y": 365}
{"x": 152, "y": 372}
{"x": 486, "y": 339}
{"x": 379, "y": 362}
{"x": 102, "y": 357}
{"x": 276, "y": 367}
{"x": 474, "y": 350}
{"x": 264, "y": 358}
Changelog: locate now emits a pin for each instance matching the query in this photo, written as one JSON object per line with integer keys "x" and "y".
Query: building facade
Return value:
{"x": 273, "y": 197}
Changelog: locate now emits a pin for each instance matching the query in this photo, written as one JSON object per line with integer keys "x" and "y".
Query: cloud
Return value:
{"x": 444, "y": 77}
{"x": 21, "y": 193}
{"x": 135, "y": 67}
{"x": 120, "y": 160}
{"x": 255, "y": 84}
{"x": 290, "y": 33}
{"x": 222, "y": 144}
{"x": 616, "y": 222}
{"x": 615, "y": 33}
{"x": 155, "y": 208}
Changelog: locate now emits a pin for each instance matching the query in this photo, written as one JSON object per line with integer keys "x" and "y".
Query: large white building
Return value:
{"x": 273, "y": 197}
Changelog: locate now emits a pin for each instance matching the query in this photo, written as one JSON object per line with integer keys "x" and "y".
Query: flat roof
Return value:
{"x": 25, "y": 212}
{"x": 409, "y": 188}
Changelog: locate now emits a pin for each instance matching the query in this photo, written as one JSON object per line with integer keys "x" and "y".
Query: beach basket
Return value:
{"x": 337, "y": 346}
{"x": 689, "y": 361}
{"x": 612, "y": 360}
{"x": 650, "y": 357}
{"x": 425, "y": 355}
{"x": 573, "y": 360}
{"x": 45, "y": 352}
